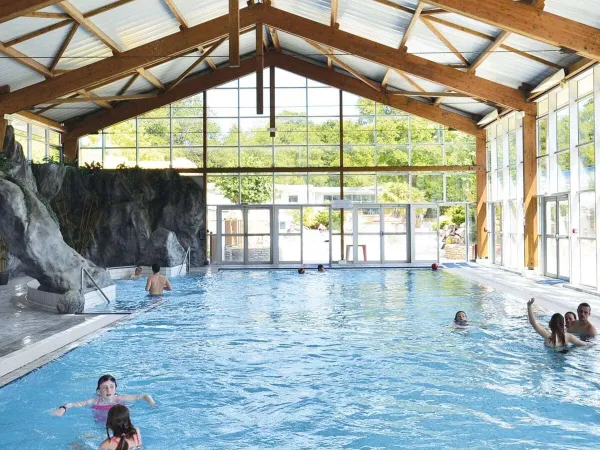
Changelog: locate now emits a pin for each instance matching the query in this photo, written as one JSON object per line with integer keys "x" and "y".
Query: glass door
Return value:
{"x": 244, "y": 234}
{"x": 453, "y": 232}
{"x": 367, "y": 234}
{"x": 556, "y": 237}
{"x": 498, "y": 233}
{"x": 230, "y": 235}
{"x": 424, "y": 223}
{"x": 258, "y": 234}
{"x": 289, "y": 234}
{"x": 394, "y": 226}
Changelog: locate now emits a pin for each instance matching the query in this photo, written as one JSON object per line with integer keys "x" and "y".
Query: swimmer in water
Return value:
{"x": 556, "y": 337}
{"x": 460, "y": 318}
{"x": 124, "y": 435}
{"x": 570, "y": 317}
{"x": 106, "y": 398}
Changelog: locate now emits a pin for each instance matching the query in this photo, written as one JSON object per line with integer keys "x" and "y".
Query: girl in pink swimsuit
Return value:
{"x": 107, "y": 398}
{"x": 124, "y": 435}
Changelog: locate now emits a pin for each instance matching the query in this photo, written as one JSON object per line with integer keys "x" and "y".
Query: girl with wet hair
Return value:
{"x": 124, "y": 435}
{"x": 556, "y": 337}
{"x": 570, "y": 317}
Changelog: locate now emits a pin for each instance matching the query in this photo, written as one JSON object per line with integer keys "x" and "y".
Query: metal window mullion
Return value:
{"x": 171, "y": 135}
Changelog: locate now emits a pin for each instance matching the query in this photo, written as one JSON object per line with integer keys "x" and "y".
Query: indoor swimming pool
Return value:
{"x": 365, "y": 358}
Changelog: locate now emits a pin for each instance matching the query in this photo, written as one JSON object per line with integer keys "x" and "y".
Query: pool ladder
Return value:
{"x": 84, "y": 271}
{"x": 186, "y": 261}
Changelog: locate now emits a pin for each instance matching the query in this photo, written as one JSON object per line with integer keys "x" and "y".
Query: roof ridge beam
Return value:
{"x": 16, "y": 8}
{"x": 530, "y": 22}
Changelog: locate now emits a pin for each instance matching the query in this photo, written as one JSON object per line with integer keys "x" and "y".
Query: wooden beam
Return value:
{"x": 357, "y": 87}
{"x": 102, "y": 9}
{"x": 320, "y": 169}
{"x": 195, "y": 64}
{"x": 530, "y": 191}
{"x": 274, "y": 38}
{"x": 177, "y": 13}
{"x": 4, "y": 89}
{"x": 234, "y": 33}
{"x": 396, "y": 59}
{"x": 70, "y": 149}
{"x": 151, "y": 78}
{"x": 21, "y": 58}
{"x": 89, "y": 25}
{"x": 333, "y": 23}
{"x": 489, "y": 50}
{"x": 260, "y": 67}
{"x": 209, "y": 60}
{"x": 530, "y": 22}
{"x": 3, "y": 125}
{"x": 445, "y": 41}
{"x": 47, "y": 15}
{"x": 396, "y": 6}
{"x": 481, "y": 219}
{"x": 13, "y": 9}
{"x": 91, "y": 123}
{"x": 96, "y": 99}
{"x": 31, "y": 117}
{"x": 410, "y": 81}
{"x": 90, "y": 97}
{"x": 411, "y": 25}
{"x": 63, "y": 47}
{"x": 386, "y": 77}
{"x": 345, "y": 66}
{"x": 128, "y": 84}
{"x": 121, "y": 65}
{"x": 36, "y": 33}
{"x": 426, "y": 94}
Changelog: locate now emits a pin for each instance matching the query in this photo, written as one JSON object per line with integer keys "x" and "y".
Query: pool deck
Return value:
{"x": 31, "y": 338}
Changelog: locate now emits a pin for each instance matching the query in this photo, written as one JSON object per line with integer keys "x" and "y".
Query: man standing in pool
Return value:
{"x": 583, "y": 326}
{"x": 157, "y": 282}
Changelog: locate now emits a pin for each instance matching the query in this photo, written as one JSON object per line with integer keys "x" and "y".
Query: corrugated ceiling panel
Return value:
{"x": 63, "y": 112}
{"x": 541, "y": 50}
{"x": 300, "y": 47}
{"x": 88, "y": 5}
{"x": 247, "y": 46}
{"x": 470, "y": 24}
{"x": 137, "y": 23}
{"x": 17, "y": 75}
{"x": 317, "y": 10}
{"x": 423, "y": 43}
{"x": 84, "y": 49}
{"x": 587, "y": 12}
{"x": 170, "y": 70}
{"x": 196, "y": 12}
{"x": 43, "y": 48}
{"x": 139, "y": 86}
{"x": 512, "y": 70}
{"x": 371, "y": 70}
{"x": 23, "y": 25}
{"x": 401, "y": 83}
{"x": 378, "y": 22}
{"x": 52, "y": 9}
{"x": 467, "y": 105}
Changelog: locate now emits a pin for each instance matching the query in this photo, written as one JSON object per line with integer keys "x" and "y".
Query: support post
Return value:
{"x": 70, "y": 149}
{"x": 530, "y": 191}
{"x": 204, "y": 175}
{"x": 3, "y": 125}
{"x": 482, "y": 235}
{"x": 272, "y": 124}
{"x": 342, "y": 247}
{"x": 260, "y": 66}
{"x": 234, "y": 33}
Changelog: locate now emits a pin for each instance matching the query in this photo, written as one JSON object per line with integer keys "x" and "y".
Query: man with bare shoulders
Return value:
{"x": 156, "y": 282}
{"x": 583, "y": 326}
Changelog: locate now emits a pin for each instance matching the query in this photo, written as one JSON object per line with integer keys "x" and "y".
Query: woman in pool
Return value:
{"x": 460, "y": 318}
{"x": 106, "y": 398}
{"x": 570, "y": 317}
{"x": 124, "y": 435}
{"x": 556, "y": 337}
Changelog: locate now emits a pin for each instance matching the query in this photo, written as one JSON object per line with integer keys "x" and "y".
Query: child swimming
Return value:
{"x": 106, "y": 398}
{"x": 124, "y": 435}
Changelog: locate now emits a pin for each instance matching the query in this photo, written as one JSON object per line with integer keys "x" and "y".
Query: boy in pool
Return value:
{"x": 107, "y": 397}
{"x": 460, "y": 318}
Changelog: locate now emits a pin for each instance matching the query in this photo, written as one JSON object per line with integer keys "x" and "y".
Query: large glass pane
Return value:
{"x": 563, "y": 217}
{"x": 222, "y": 102}
{"x": 425, "y": 131}
{"x": 259, "y": 249}
{"x": 426, "y": 155}
{"x": 587, "y": 214}
{"x": 114, "y": 157}
{"x": 248, "y": 103}
{"x": 323, "y": 156}
{"x": 154, "y": 158}
{"x": 232, "y": 221}
{"x": 586, "y": 120}
{"x": 550, "y": 218}
{"x": 256, "y": 156}
{"x": 543, "y": 175}
{"x": 542, "y": 134}
{"x": 187, "y": 132}
{"x": 289, "y": 248}
{"x": 323, "y": 130}
{"x": 551, "y": 262}
{"x": 222, "y": 131}
{"x": 38, "y": 151}
{"x": 562, "y": 131}
{"x": 154, "y": 133}
{"x": 392, "y": 130}
{"x": 359, "y": 156}
{"x": 255, "y": 131}
{"x": 498, "y": 249}
{"x": 392, "y": 156}
{"x": 315, "y": 235}
{"x": 394, "y": 247}
{"x": 121, "y": 135}
{"x": 426, "y": 247}
{"x": 187, "y": 157}
{"x": 90, "y": 156}
{"x": 427, "y": 188}
{"x": 259, "y": 221}
{"x": 564, "y": 171}
{"x": 291, "y": 130}
{"x": 369, "y": 248}
{"x": 392, "y": 188}
{"x": 461, "y": 187}
{"x": 587, "y": 167}
{"x": 223, "y": 189}
{"x": 512, "y": 149}
{"x": 323, "y": 102}
{"x": 291, "y": 188}
{"x": 290, "y": 101}
{"x": 323, "y": 189}
{"x": 394, "y": 220}
{"x": 360, "y": 188}
{"x": 290, "y": 156}
{"x": 499, "y": 153}
{"x": 564, "y": 262}
{"x": 232, "y": 248}
{"x": 257, "y": 188}
{"x": 426, "y": 220}
{"x": 222, "y": 157}
{"x": 585, "y": 86}
{"x": 587, "y": 248}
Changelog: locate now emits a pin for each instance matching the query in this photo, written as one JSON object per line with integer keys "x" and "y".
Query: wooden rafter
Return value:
{"x": 345, "y": 66}
{"x": 426, "y": 94}
{"x": 385, "y": 80}
{"x": 410, "y": 81}
{"x": 333, "y": 23}
{"x": 445, "y": 41}
{"x": 90, "y": 97}
{"x": 129, "y": 83}
{"x": 260, "y": 68}
{"x": 438, "y": 73}
{"x": 234, "y": 33}
{"x": 118, "y": 66}
{"x": 13, "y": 9}
{"x": 36, "y": 33}
{"x": 89, "y": 25}
{"x": 209, "y": 60}
{"x": 175, "y": 11}
{"x": 195, "y": 64}
{"x": 47, "y": 15}
{"x": 151, "y": 78}
{"x": 530, "y": 22}
{"x": 78, "y": 127}
{"x": 411, "y": 25}
{"x": 96, "y": 99}
{"x": 274, "y": 38}
{"x": 396, "y": 6}
{"x": 42, "y": 120}
{"x": 21, "y": 58}
{"x": 63, "y": 47}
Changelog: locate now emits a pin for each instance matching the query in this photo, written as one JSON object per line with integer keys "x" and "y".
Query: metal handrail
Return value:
{"x": 186, "y": 257}
{"x": 83, "y": 269}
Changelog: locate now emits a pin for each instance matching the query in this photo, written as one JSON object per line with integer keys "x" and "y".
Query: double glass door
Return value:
{"x": 556, "y": 237}
{"x": 303, "y": 234}
{"x": 244, "y": 235}
{"x": 380, "y": 234}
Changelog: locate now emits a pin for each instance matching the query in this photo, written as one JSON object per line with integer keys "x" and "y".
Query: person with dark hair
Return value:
{"x": 106, "y": 398}
{"x": 124, "y": 435}
{"x": 583, "y": 327}
{"x": 460, "y": 318}
{"x": 321, "y": 268}
{"x": 570, "y": 317}
{"x": 157, "y": 282}
{"x": 136, "y": 274}
{"x": 301, "y": 270}
{"x": 556, "y": 337}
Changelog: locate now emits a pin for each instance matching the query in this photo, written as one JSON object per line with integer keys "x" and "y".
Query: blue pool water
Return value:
{"x": 345, "y": 359}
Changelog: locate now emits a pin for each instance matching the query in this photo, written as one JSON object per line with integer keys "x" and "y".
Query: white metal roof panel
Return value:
{"x": 139, "y": 86}
{"x": 399, "y": 82}
{"x": 317, "y": 10}
{"x": 84, "y": 49}
{"x": 247, "y": 46}
{"x": 371, "y": 70}
{"x": 43, "y": 48}
{"x": 52, "y": 9}
{"x": 423, "y": 43}
{"x": 17, "y": 75}
{"x": 466, "y": 105}
{"x": 137, "y": 23}
{"x": 300, "y": 47}
{"x": 170, "y": 70}
{"x": 541, "y": 50}
{"x": 470, "y": 24}
{"x": 512, "y": 70}
{"x": 377, "y": 22}
{"x": 60, "y": 113}
{"x": 587, "y": 11}
{"x": 196, "y": 12}
{"x": 89, "y": 5}
{"x": 23, "y": 25}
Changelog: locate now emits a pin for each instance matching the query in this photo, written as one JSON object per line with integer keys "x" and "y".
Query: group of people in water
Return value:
{"x": 564, "y": 330}
{"x": 320, "y": 268}
{"x": 156, "y": 283}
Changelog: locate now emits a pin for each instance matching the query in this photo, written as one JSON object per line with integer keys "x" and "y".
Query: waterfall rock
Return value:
{"x": 163, "y": 249}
